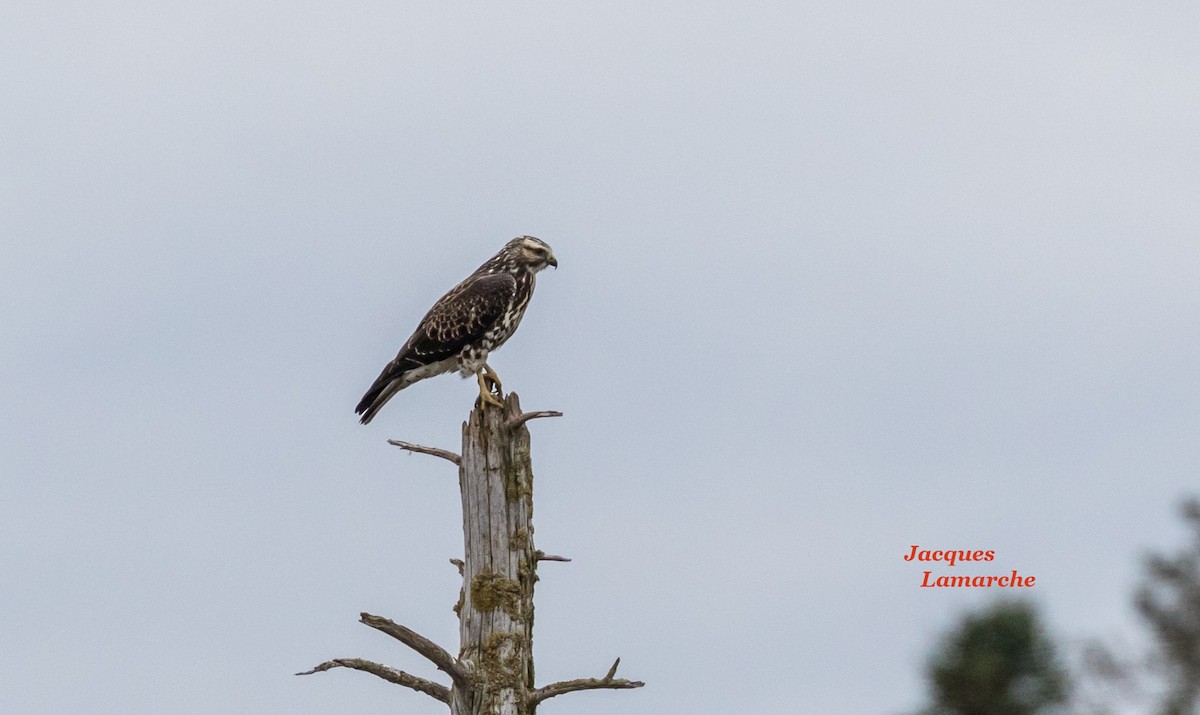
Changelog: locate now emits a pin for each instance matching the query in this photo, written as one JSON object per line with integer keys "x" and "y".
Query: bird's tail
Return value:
{"x": 389, "y": 382}
{"x": 375, "y": 399}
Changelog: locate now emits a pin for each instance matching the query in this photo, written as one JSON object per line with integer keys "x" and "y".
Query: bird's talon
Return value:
{"x": 487, "y": 398}
{"x": 492, "y": 379}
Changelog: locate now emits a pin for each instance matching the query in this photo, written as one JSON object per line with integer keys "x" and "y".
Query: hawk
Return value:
{"x": 476, "y": 317}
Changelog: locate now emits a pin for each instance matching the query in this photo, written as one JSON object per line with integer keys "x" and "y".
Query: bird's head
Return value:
{"x": 529, "y": 253}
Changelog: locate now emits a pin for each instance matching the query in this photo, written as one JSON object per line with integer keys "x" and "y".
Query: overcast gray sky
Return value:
{"x": 836, "y": 278}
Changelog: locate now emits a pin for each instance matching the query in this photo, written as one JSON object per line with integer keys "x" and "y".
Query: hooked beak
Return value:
{"x": 552, "y": 261}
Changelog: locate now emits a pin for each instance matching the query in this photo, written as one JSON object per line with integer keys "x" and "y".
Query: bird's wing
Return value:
{"x": 459, "y": 318}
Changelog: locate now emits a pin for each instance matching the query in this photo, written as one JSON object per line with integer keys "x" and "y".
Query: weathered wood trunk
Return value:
{"x": 493, "y": 673}
{"x": 495, "y": 608}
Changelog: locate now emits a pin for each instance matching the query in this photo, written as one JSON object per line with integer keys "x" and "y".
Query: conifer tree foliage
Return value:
{"x": 998, "y": 661}
{"x": 1168, "y": 599}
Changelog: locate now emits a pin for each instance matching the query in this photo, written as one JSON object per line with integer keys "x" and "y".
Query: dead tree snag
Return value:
{"x": 493, "y": 673}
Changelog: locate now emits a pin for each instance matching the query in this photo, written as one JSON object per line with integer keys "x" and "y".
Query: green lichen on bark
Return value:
{"x": 517, "y": 477}
{"x": 491, "y": 591}
{"x": 527, "y": 575}
{"x": 520, "y": 539}
{"x": 501, "y": 660}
